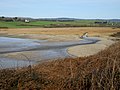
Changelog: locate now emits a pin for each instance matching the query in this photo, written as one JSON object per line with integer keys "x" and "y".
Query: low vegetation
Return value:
{"x": 97, "y": 72}
{"x": 116, "y": 35}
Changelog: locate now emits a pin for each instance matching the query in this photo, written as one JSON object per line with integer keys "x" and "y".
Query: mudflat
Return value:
{"x": 66, "y": 34}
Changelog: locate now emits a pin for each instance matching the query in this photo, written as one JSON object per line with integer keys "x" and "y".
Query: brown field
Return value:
{"x": 97, "y": 31}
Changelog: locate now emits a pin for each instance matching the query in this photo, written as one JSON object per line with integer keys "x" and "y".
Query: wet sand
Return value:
{"x": 37, "y": 50}
{"x": 90, "y": 49}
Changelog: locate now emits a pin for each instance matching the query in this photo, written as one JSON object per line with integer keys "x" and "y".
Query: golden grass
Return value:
{"x": 97, "y": 72}
{"x": 62, "y": 31}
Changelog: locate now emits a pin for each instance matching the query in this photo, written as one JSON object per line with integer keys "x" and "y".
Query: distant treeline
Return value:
{"x": 10, "y": 19}
{"x": 17, "y": 22}
{"x": 55, "y": 19}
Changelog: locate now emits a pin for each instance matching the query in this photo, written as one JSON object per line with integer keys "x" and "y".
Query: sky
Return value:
{"x": 82, "y": 9}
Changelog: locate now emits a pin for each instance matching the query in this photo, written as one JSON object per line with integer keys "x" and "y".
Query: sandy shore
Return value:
{"x": 90, "y": 49}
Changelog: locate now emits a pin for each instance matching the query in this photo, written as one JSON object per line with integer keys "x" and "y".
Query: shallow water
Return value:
{"x": 16, "y": 44}
{"x": 35, "y": 50}
{"x": 11, "y": 63}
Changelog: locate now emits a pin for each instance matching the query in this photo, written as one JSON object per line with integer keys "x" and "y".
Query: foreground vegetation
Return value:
{"x": 97, "y": 72}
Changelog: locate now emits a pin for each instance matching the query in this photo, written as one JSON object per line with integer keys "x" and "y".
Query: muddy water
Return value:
{"x": 35, "y": 50}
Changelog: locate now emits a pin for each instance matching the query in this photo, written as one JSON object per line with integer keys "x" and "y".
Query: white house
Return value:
{"x": 27, "y": 21}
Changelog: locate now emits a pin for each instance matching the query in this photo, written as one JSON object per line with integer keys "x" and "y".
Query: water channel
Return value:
{"x": 40, "y": 50}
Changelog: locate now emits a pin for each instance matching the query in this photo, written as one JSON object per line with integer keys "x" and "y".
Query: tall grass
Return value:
{"x": 97, "y": 72}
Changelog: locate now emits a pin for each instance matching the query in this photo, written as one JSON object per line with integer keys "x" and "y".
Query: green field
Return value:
{"x": 52, "y": 24}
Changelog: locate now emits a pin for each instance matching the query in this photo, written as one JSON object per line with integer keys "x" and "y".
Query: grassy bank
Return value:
{"x": 97, "y": 72}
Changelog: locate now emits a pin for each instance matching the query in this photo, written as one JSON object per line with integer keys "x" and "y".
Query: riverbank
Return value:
{"x": 90, "y": 49}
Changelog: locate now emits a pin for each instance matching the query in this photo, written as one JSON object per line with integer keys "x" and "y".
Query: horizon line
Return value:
{"x": 54, "y": 17}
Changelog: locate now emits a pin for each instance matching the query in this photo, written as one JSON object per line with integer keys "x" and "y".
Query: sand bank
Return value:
{"x": 90, "y": 49}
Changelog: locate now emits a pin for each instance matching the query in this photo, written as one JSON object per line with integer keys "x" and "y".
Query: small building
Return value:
{"x": 27, "y": 21}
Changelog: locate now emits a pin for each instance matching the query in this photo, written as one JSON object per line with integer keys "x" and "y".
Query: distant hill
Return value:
{"x": 57, "y": 19}
{"x": 114, "y": 20}
{"x": 52, "y": 19}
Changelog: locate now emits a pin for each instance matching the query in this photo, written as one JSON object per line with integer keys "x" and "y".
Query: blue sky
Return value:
{"x": 84, "y": 9}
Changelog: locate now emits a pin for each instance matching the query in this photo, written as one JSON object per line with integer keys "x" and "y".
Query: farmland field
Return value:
{"x": 52, "y": 24}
